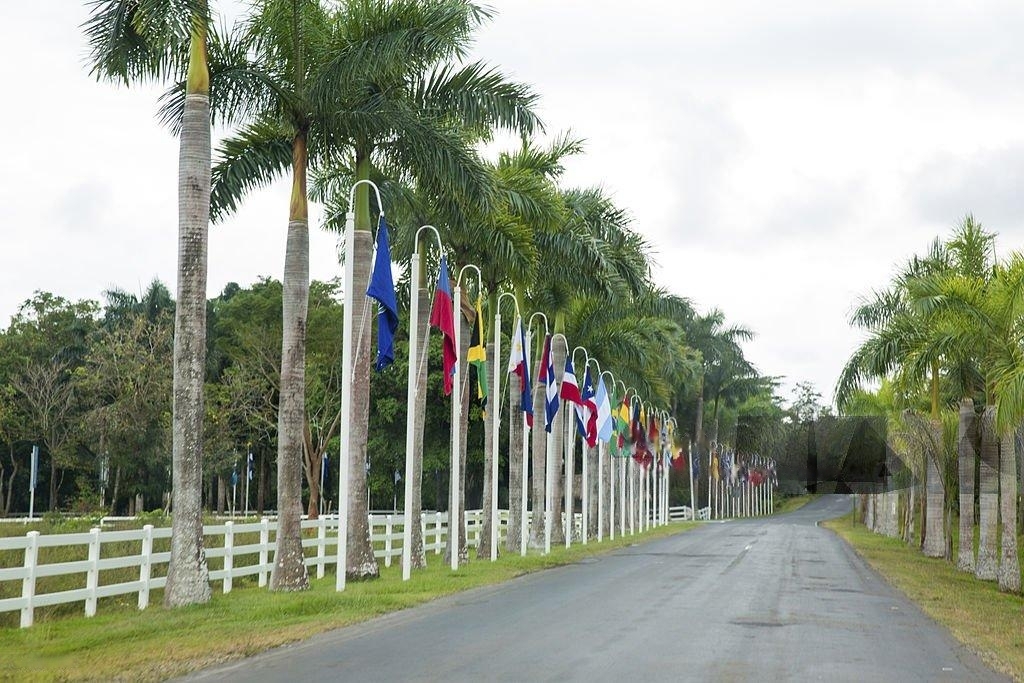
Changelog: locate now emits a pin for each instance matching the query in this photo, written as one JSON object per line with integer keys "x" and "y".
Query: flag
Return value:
{"x": 679, "y": 461}
{"x": 586, "y": 411}
{"x": 622, "y": 421}
{"x": 518, "y": 363}
{"x": 570, "y": 389}
{"x": 547, "y": 376}
{"x": 605, "y": 428}
{"x": 652, "y": 433}
{"x": 477, "y": 357}
{"x": 398, "y": 476}
{"x": 382, "y": 288}
{"x": 324, "y": 471}
{"x": 251, "y": 467}
{"x": 234, "y": 475}
{"x": 636, "y": 427}
{"x": 442, "y": 317}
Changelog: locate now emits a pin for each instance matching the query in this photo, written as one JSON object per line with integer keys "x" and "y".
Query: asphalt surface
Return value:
{"x": 754, "y": 600}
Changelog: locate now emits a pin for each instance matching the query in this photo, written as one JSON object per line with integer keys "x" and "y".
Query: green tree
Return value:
{"x": 136, "y": 40}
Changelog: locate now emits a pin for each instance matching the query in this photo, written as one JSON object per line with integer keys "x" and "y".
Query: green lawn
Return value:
{"x": 155, "y": 644}
{"x": 987, "y": 621}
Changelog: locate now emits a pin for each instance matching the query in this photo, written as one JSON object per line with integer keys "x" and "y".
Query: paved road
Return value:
{"x": 754, "y": 600}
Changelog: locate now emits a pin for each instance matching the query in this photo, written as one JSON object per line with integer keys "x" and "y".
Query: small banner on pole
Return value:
{"x": 35, "y": 468}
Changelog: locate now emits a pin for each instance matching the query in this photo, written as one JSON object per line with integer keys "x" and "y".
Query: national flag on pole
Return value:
{"x": 442, "y": 317}
{"x": 324, "y": 471}
{"x": 477, "y": 356}
{"x": 605, "y": 428}
{"x": 547, "y": 376}
{"x": 652, "y": 433}
{"x": 622, "y": 421}
{"x": 570, "y": 388}
{"x": 586, "y": 411}
{"x": 518, "y": 363}
{"x": 382, "y": 288}
{"x": 234, "y": 475}
{"x": 250, "y": 466}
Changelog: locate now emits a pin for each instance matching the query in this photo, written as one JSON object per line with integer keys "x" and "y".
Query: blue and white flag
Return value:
{"x": 234, "y": 475}
{"x": 547, "y": 376}
{"x": 251, "y": 467}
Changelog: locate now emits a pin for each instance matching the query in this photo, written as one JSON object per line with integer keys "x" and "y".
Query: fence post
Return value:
{"x": 92, "y": 577}
{"x": 437, "y": 533}
{"x": 145, "y": 565}
{"x": 229, "y": 550}
{"x": 264, "y": 544}
{"x": 28, "y": 584}
{"x": 423, "y": 530}
{"x": 321, "y": 543}
{"x": 388, "y": 528}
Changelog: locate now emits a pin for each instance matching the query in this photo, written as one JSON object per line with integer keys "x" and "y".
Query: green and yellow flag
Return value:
{"x": 477, "y": 356}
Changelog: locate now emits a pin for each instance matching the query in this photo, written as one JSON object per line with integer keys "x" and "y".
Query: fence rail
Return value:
{"x": 241, "y": 549}
{"x": 237, "y": 559}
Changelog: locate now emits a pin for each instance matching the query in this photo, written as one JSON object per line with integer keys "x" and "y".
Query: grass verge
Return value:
{"x": 988, "y": 622}
{"x": 156, "y": 644}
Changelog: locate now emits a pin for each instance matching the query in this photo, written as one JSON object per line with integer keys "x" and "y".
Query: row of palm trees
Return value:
{"x": 378, "y": 90}
{"x": 946, "y": 338}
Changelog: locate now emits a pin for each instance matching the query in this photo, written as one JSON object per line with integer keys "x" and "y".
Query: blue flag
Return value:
{"x": 234, "y": 475}
{"x": 382, "y": 288}
{"x": 250, "y": 468}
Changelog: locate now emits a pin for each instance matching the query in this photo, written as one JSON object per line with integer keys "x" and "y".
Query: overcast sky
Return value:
{"x": 781, "y": 158}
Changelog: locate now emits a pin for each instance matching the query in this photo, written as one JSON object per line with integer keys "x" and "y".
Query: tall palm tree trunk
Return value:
{"x": 466, "y": 320}
{"x": 539, "y": 436}
{"x": 986, "y": 568}
{"x": 934, "y": 538}
{"x": 1009, "y": 565}
{"x": 516, "y": 482}
{"x": 558, "y": 352}
{"x": 483, "y": 551}
{"x": 188, "y": 578}
{"x": 966, "y": 438}
{"x": 419, "y": 559}
{"x": 289, "y": 571}
{"x": 361, "y": 562}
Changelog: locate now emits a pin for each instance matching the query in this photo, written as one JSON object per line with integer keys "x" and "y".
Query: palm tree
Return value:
{"x": 133, "y": 40}
{"x": 368, "y": 87}
{"x": 982, "y": 306}
{"x": 905, "y": 343}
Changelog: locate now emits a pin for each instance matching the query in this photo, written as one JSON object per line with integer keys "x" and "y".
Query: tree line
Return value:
{"x": 943, "y": 363}
{"x": 330, "y": 94}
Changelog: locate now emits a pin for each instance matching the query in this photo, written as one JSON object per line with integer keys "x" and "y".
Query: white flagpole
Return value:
{"x": 584, "y": 493}
{"x": 600, "y": 489}
{"x": 570, "y": 469}
{"x": 611, "y": 496}
{"x": 411, "y": 401}
{"x": 453, "y": 493}
{"x": 633, "y": 507}
{"x": 494, "y": 402}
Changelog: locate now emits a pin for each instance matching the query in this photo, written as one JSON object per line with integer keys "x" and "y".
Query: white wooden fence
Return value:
{"x": 238, "y": 560}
